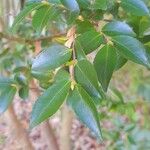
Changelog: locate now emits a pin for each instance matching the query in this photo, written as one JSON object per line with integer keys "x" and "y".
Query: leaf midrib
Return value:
{"x": 131, "y": 51}
{"x": 87, "y": 77}
{"x": 50, "y": 102}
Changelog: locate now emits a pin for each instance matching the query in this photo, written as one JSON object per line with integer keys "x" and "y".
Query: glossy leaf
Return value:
{"x": 71, "y": 5}
{"x": 105, "y": 63}
{"x": 79, "y": 51}
{"x": 90, "y": 41}
{"x": 21, "y": 79}
{"x": 131, "y": 49}
{"x": 26, "y": 11}
{"x": 5, "y": 82}
{"x": 6, "y": 97}
{"x": 121, "y": 61}
{"x": 86, "y": 76}
{"x": 144, "y": 27}
{"x": 135, "y": 7}
{"x": 46, "y": 76}
{"x": 24, "y": 92}
{"x": 83, "y": 26}
{"x": 84, "y": 108}
{"x": 51, "y": 58}
{"x": 118, "y": 28}
{"x": 41, "y": 17}
{"x": 49, "y": 102}
{"x": 62, "y": 75}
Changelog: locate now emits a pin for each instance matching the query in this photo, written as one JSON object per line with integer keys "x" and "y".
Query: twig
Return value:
{"x": 29, "y": 41}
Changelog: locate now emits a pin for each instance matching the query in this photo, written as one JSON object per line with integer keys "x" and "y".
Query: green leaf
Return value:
{"x": 79, "y": 51}
{"x": 131, "y": 49}
{"x": 21, "y": 79}
{"x": 83, "y": 26}
{"x": 84, "y": 108}
{"x": 49, "y": 102}
{"x": 51, "y": 58}
{"x": 105, "y": 63}
{"x": 71, "y": 5}
{"x": 144, "y": 27}
{"x": 43, "y": 76}
{"x": 118, "y": 28}
{"x": 90, "y": 41}
{"x": 121, "y": 61}
{"x": 26, "y": 11}
{"x": 61, "y": 75}
{"x": 6, "y": 97}
{"x": 135, "y": 7}
{"x": 86, "y": 76}
{"x": 43, "y": 15}
{"x": 24, "y": 92}
{"x": 5, "y": 83}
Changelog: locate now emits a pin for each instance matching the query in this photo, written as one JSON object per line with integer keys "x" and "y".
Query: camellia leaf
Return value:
{"x": 131, "y": 49}
{"x": 21, "y": 79}
{"x": 86, "y": 76}
{"x": 144, "y": 26}
{"x": 51, "y": 58}
{"x": 61, "y": 75}
{"x": 118, "y": 28}
{"x": 24, "y": 92}
{"x": 83, "y": 26}
{"x": 71, "y": 5}
{"x": 46, "y": 76}
{"x": 85, "y": 109}
{"x": 6, "y": 97}
{"x": 105, "y": 63}
{"x": 43, "y": 15}
{"x": 90, "y": 40}
{"x": 136, "y": 7}
{"x": 121, "y": 61}
{"x": 5, "y": 83}
{"x": 49, "y": 102}
{"x": 26, "y": 11}
{"x": 79, "y": 51}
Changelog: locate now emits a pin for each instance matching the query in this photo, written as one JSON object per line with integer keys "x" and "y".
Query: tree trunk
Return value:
{"x": 49, "y": 135}
{"x": 65, "y": 132}
{"x": 17, "y": 130}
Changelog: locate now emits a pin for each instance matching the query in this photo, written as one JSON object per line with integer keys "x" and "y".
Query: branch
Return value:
{"x": 29, "y": 41}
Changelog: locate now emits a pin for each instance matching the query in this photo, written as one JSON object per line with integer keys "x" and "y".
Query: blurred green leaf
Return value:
{"x": 26, "y": 11}
{"x": 6, "y": 97}
{"x": 135, "y": 7}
